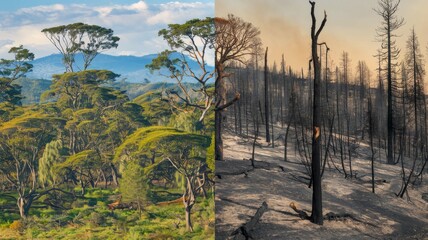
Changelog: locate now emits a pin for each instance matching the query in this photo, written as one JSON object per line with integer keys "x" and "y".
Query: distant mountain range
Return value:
{"x": 131, "y": 68}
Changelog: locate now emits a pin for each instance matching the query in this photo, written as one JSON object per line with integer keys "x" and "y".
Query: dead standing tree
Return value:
{"x": 235, "y": 41}
{"x": 266, "y": 72}
{"x": 316, "y": 216}
{"x": 390, "y": 22}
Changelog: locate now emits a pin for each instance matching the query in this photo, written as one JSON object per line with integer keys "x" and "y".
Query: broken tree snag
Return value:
{"x": 316, "y": 132}
{"x": 245, "y": 172}
{"x": 244, "y": 232}
{"x": 302, "y": 214}
{"x": 317, "y": 216}
{"x": 266, "y": 97}
{"x": 331, "y": 216}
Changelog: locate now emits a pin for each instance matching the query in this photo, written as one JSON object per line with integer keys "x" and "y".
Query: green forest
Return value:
{"x": 85, "y": 156}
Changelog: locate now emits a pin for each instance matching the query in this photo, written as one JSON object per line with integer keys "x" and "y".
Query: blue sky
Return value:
{"x": 136, "y": 22}
{"x": 16, "y": 4}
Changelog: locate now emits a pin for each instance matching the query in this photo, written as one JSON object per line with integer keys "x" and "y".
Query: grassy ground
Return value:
{"x": 90, "y": 218}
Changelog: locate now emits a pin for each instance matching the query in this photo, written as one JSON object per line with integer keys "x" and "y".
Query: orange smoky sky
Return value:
{"x": 351, "y": 27}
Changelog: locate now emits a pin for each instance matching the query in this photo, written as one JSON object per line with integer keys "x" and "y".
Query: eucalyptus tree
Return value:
{"x": 190, "y": 41}
{"x": 96, "y": 39}
{"x": 80, "y": 38}
{"x": 186, "y": 153}
{"x": 75, "y": 90}
{"x": 99, "y": 118}
{"x": 22, "y": 141}
{"x": 11, "y": 70}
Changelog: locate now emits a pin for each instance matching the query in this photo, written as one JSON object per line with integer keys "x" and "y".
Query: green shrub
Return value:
{"x": 32, "y": 232}
{"x": 78, "y": 203}
{"x": 96, "y": 220}
{"x": 92, "y": 202}
{"x": 46, "y": 213}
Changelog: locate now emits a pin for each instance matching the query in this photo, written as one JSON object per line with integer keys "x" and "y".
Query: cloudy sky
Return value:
{"x": 285, "y": 27}
{"x": 135, "y": 22}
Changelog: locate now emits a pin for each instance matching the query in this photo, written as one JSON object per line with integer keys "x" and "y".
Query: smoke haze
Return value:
{"x": 351, "y": 27}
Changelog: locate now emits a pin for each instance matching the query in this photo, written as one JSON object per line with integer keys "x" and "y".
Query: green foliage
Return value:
{"x": 9, "y": 111}
{"x": 75, "y": 139}
{"x": 176, "y": 35}
{"x": 10, "y": 92}
{"x": 133, "y": 184}
{"x": 32, "y": 89}
{"x": 190, "y": 40}
{"x": 80, "y": 37}
{"x": 96, "y": 219}
{"x": 163, "y": 60}
{"x": 155, "y": 109}
{"x": 22, "y": 140}
{"x": 52, "y": 155}
{"x": 211, "y": 154}
{"x": 186, "y": 121}
{"x": 80, "y": 89}
{"x": 124, "y": 120}
{"x": 132, "y": 142}
{"x": 30, "y": 122}
{"x": 19, "y": 66}
{"x": 144, "y": 141}
{"x": 10, "y": 70}
{"x": 180, "y": 180}
{"x": 97, "y": 222}
{"x": 104, "y": 96}
{"x": 84, "y": 159}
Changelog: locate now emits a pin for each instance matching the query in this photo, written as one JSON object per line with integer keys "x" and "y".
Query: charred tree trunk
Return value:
{"x": 266, "y": 97}
{"x": 371, "y": 123}
{"x": 317, "y": 216}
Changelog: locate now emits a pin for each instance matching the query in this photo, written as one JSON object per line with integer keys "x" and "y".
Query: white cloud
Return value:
{"x": 165, "y": 16}
{"x": 139, "y": 6}
{"x": 29, "y": 36}
{"x": 179, "y": 12}
{"x": 41, "y": 9}
{"x": 181, "y": 5}
{"x": 122, "y": 9}
{"x": 127, "y": 53}
{"x": 5, "y": 42}
{"x": 5, "y": 45}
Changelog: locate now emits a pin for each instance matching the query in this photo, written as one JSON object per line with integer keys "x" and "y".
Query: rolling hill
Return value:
{"x": 131, "y": 68}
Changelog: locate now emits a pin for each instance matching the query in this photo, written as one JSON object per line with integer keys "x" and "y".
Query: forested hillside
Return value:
{"x": 85, "y": 156}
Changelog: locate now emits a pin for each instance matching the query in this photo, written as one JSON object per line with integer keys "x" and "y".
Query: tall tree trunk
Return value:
{"x": 218, "y": 139}
{"x": 189, "y": 201}
{"x": 189, "y": 226}
{"x": 114, "y": 174}
{"x": 370, "y": 113}
{"x": 390, "y": 157}
{"x": 266, "y": 97}
{"x": 317, "y": 216}
{"x": 22, "y": 208}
